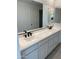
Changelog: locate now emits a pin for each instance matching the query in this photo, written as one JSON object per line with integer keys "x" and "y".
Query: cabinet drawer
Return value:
{"x": 29, "y": 50}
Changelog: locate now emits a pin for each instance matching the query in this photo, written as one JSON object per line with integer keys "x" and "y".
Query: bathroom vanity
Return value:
{"x": 41, "y": 43}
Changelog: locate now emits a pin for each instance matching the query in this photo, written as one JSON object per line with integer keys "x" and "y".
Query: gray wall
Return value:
{"x": 27, "y": 14}
{"x": 57, "y": 15}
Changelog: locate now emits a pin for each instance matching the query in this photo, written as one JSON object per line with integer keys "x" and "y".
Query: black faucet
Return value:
{"x": 29, "y": 34}
{"x": 25, "y": 34}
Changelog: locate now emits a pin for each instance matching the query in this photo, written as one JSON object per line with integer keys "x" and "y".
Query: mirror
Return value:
{"x": 29, "y": 15}
{"x": 33, "y": 15}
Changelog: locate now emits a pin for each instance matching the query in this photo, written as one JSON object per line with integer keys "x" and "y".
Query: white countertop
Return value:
{"x": 37, "y": 36}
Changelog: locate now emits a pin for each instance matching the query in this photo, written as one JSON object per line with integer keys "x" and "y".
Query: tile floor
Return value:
{"x": 56, "y": 54}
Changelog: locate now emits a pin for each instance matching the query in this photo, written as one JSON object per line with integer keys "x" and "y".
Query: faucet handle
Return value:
{"x": 25, "y": 35}
{"x": 29, "y": 34}
{"x": 25, "y": 31}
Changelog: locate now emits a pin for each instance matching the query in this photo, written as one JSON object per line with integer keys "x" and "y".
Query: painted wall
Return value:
{"x": 27, "y": 14}
{"x": 58, "y": 3}
{"x": 57, "y": 15}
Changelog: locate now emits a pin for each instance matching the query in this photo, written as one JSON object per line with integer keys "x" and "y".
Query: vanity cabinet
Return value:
{"x": 52, "y": 42}
{"x": 30, "y": 53}
{"x": 47, "y": 45}
{"x": 43, "y": 49}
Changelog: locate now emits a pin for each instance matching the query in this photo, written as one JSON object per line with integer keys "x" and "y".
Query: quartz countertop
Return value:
{"x": 37, "y": 36}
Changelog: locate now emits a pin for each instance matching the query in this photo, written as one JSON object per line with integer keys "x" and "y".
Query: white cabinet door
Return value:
{"x": 53, "y": 41}
{"x": 43, "y": 51}
{"x": 50, "y": 44}
{"x": 32, "y": 55}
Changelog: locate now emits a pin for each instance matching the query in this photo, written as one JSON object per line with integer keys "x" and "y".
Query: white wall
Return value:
{"x": 58, "y": 3}
{"x": 27, "y": 14}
